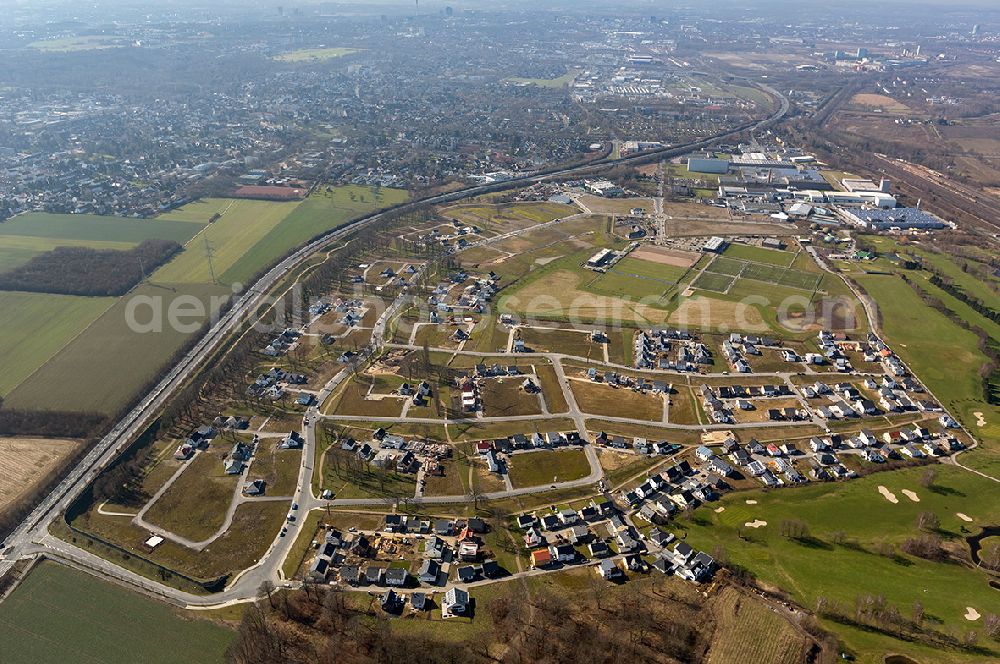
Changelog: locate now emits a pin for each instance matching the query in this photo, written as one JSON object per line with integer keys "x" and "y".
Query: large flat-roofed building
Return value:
{"x": 861, "y": 184}
{"x": 849, "y": 198}
{"x": 901, "y": 218}
{"x": 716, "y": 245}
{"x": 716, "y": 166}
{"x": 601, "y": 258}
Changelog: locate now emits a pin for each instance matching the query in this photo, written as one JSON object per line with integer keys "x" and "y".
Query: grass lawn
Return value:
{"x": 643, "y": 268}
{"x": 36, "y": 326}
{"x": 59, "y": 614}
{"x": 454, "y": 481}
{"x": 241, "y": 226}
{"x": 348, "y": 477}
{"x": 195, "y": 504}
{"x": 350, "y": 399}
{"x": 314, "y": 54}
{"x": 819, "y": 567}
{"x": 86, "y": 227}
{"x": 279, "y": 468}
{"x": 537, "y": 468}
{"x": 713, "y": 282}
{"x": 941, "y": 353}
{"x": 551, "y": 388}
{"x": 621, "y": 284}
{"x": 78, "y": 43}
{"x": 101, "y": 368}
{"x": 759, "y": 254}
{"x": 600, "y": 399}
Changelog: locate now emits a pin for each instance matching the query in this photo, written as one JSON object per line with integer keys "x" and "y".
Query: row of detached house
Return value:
{"x": 654, "y": 349}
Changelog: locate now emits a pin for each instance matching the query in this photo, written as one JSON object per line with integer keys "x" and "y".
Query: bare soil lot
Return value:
{"x": 665, "y": 256}
{"x": 26, "y": 461}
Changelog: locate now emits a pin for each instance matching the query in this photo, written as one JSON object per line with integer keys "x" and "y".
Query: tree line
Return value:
{"x": 89, "y": 271}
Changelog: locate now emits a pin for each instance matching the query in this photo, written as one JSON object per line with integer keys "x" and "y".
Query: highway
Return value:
{"x": 31, "y": 537}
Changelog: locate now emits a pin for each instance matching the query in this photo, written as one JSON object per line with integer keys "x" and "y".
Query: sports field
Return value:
{"x": 101, "y": 368}
{"x": 60, "y": 615}
{"x": 770, "y": 273}
{"x": 713, "y": 282}
{"x": 559, "y": 82}
{"x": 759, "y": 254}
{"x": 848, "y": 523}
{"x": 36, "y": 326}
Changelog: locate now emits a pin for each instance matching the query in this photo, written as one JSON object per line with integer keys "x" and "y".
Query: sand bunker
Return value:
{"x": 912, "y": 496}
{"x": 719, "y": 510}
{"x": 964, "y": 517}
{"x": 755, "y": 524}
{"x": 888, "y": 495}
{"x": 971, "y": 613}
{"x": 980, "y": 420}
{"x": 751, "y": 502}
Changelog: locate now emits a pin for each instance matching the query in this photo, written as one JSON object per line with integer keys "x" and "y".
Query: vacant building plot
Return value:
{"x": 195, "y": 505}
{"x": 26, "y": 461}
{"x": 350, "y": 477}
{"x": 545, "y": 467}
{"x": 566, "y": 341}
{"x": 370, "y": 396}
{"x": 505, "y": 397}
{"x": 100, "y": 622}
{"x": 36, "y": 326}
{"x": 226, "y": 241}
{"x": 601, "y": 399}
{"x": 277, "y": 467}
{"x": 102, "y": 367}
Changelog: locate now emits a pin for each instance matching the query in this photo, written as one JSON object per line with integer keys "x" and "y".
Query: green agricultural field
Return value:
{"x": 199, "y": 211}
{"x": 59, "y": 615}
{"x": 321, "y": 212}
{"x": 759, "y": 254}
{"x": 315, "y": 54}
{"x": 855, "y": 514}
{"x": 564, "y": 80}
{"x": 243, "y": 224}
{"x": 16, "y": 250}
{"x": 101, "y": 369}
{"x": 88, "y": 227}
{"x": 80, "y": 43}
{"x": 537, "y": 468}
{"x": 36, "y": 326}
